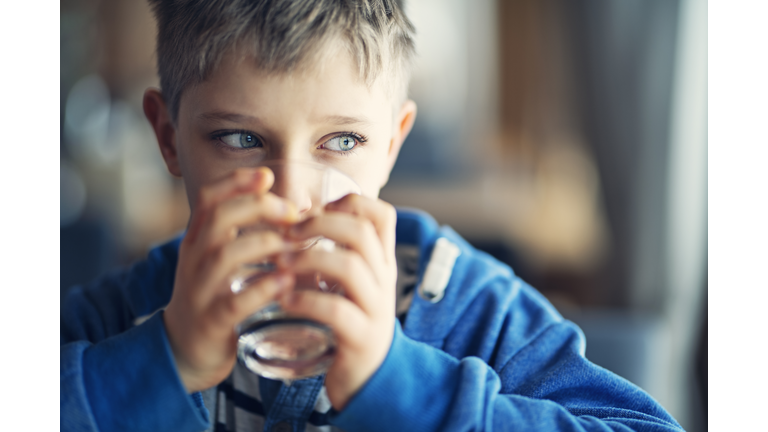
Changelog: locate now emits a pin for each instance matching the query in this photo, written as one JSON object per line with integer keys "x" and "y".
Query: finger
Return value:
{"x": 225, "y": 220}
{"x": 342, "y": 266}
{"x": 230, "y": 309}
{"x": 243, "y": 180}
{"x": 240, "y": 181}
{"x": 357, "y": 233}
{"x": 222, "y": 266}
{"x": 382, "y": 214}
{"x": 344, "y": 317}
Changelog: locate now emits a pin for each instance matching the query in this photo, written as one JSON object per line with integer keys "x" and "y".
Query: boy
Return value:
{"x": 471, "y": 348}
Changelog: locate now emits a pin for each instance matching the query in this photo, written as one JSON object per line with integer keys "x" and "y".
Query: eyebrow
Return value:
{"x": 227, "y": 116}
{"x": 340, "y": 120}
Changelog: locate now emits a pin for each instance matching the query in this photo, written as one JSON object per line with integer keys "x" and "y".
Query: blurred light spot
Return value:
{"x": 89, "y": 121}
{"x": 73, "y": 195}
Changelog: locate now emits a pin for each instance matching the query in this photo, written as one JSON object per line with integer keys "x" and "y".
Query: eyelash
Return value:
{"x": 360, "y": 139}
{"x": 216, "y": 137}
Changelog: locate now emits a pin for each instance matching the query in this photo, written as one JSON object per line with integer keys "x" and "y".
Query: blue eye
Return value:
{"x": 241, "y": 140}
{"x": 341, "y": 143}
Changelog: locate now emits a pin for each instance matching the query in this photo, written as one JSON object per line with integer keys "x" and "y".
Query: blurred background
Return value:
{"x": 565, "y": 137}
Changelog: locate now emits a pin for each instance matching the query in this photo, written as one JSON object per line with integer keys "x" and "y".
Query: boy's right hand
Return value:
{"x": 203, "y": 312}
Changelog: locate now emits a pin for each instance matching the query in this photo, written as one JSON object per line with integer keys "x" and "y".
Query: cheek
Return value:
{"x": 197, "y": 168}
{"x": 370, "y": 189}
{"x": 371, "y": 174}
{"x": 376, "y": 180}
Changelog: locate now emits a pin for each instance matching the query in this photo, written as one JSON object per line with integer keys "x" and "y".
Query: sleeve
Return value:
{"x": 127, "y": 382}
{"x": 547, "y": 385}
{"x": 117, "y": 376}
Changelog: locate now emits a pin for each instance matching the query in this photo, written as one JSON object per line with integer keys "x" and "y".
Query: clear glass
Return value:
{"x": 271, "y": 342}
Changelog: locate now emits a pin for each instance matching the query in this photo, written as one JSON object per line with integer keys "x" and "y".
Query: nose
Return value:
{"x": 296, "y": 183}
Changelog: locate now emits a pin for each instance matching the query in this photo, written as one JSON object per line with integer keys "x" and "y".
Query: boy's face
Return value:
{"x": 241, "y": 117}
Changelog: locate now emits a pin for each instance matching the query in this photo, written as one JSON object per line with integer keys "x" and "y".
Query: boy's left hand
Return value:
{"x": 363, "y": 319}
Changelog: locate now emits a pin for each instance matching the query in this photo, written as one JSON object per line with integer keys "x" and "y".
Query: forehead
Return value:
{"x": 332, "y": 86}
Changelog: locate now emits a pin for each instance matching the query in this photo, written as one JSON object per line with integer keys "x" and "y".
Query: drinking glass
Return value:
{"x": 271, "y": 342}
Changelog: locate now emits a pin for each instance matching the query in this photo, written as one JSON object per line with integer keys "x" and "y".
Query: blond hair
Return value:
{"x": 283, "y": 36}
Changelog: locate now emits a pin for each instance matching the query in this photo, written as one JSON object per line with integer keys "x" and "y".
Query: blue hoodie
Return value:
{"x": 488, "y": 353}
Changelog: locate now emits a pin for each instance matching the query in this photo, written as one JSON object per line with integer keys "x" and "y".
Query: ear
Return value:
{"x": 158, "y": 116}
{"x": 403, "y": 125}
